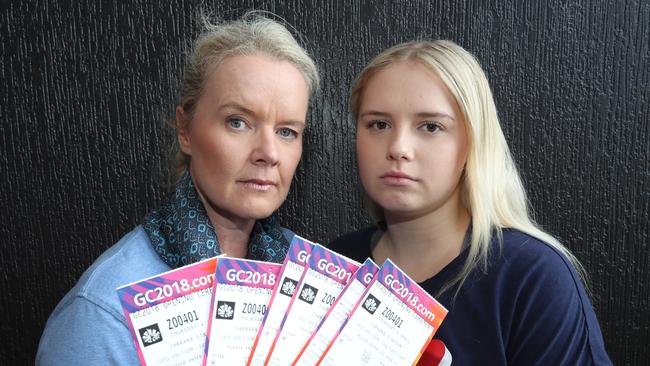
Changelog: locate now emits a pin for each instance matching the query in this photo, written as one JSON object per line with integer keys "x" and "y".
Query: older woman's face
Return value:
{"x": 245, "y": 138}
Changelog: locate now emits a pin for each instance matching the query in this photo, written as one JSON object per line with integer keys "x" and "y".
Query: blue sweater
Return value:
{"x": 88, "y": 326}
{"x": 530, "y": 308}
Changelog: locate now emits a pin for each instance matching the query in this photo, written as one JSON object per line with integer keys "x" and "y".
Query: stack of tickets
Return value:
{"x": 317, "y": 308}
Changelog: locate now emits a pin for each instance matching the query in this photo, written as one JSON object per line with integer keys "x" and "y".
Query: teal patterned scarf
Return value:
{"x": 181, "y": 231}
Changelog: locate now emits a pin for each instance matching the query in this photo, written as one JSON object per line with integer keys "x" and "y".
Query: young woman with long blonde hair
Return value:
{"x": 450, "y": 209}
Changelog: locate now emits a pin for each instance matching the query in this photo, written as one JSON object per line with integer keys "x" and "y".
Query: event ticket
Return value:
{"x": 391, "y": 324}
{"x": 325, "y": 276}
{"x": 242, "y": 290}
{"x": 337, "y": 315}
{"x": 292, "y": 271}
{"x": 167, "y": 314}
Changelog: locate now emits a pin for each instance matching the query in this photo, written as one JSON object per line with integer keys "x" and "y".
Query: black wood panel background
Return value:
{"x": 86, "y": 87}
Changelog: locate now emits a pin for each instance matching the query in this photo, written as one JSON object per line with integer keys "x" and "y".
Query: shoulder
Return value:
{"x": 84, "y": 333}
{"x": 91, "y": 309}
{"x": 534, "y": 262}
{"x": 520, "y": 251}
{"x": 355, "y": 245}
{"x": 132, "y": 258}
{"x": 547, "y": 298}
{"x": 129, "y": 260}
{"x": 530, "y": 270}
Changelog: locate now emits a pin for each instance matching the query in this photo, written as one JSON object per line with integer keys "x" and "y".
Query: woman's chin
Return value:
{"x": 396, "y": 204}
{"x": 244, "y": 209}
{"x": 258, "y": 211}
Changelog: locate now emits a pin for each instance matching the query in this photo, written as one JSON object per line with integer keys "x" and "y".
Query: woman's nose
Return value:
{"x": 265, "y": 151}
{"x": 400, "y": 147}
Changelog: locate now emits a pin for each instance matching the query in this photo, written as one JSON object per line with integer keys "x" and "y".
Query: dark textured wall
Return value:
{"x": 85, "y": 88}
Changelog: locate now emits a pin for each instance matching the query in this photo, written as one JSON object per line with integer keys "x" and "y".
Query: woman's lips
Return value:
{"x": 261, "y": 185}
{"x": 397, "y": 179}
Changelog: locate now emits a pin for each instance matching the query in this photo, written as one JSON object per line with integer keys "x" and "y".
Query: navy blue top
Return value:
{"x": 530, "y": 308}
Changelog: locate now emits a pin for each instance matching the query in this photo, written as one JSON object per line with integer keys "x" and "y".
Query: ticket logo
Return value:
{"x": 308, "y": 294}
{"x": 371, "y": 304}
{"x": 225, "y": 310}
{"x": 288, "y": 287}
{"x": 150, "y": 335}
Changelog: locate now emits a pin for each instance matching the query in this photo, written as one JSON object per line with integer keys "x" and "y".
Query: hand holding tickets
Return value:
{"x": 317, "y": 308}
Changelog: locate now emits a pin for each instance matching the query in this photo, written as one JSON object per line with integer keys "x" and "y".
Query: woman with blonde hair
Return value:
{"x": 450, "y": 209}
{"x": 239, "y": 126}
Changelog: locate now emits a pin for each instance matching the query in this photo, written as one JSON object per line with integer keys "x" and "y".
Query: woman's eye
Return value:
{"x": 287, "y": 133}
{"x": 431, "y": 127}
{"x": 236, "y": 123}
{"x": 378, "y": 125}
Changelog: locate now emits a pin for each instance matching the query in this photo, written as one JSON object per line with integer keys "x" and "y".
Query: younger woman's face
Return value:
{"x": 411, "y": 142}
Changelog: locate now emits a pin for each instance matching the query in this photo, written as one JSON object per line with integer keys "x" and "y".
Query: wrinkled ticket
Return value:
{"x": 242, "y": 290}
{"x": 292, "y": 271}
{"x": 326, "y": 275}
{"x": 391, "y": 324}
{"x": 337, "y": 315}
{"x": 168, "y": 314}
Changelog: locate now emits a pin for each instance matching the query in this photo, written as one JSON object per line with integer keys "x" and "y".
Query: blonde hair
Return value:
{"x": 492, "y": 190}
{"x": 253, "y": 34}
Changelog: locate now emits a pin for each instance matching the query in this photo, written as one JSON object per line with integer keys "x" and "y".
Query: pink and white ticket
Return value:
{"x": 325, "y": 276}
{"x": 168, "y": 314}
{"x": 336, "y": 315}
{"x": 290, "y": 274}
{"x": 241, "y": 295}
{"x": 391, "y": 324}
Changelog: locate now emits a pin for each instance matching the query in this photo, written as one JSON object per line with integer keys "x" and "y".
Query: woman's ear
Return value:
{"x": 182, "y": 132}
